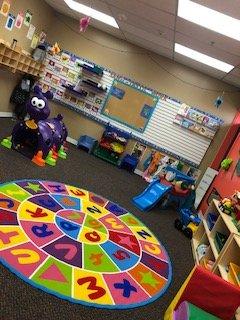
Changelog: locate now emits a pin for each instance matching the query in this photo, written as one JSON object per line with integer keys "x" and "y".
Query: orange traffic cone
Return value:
{"x": 38, "y": 160}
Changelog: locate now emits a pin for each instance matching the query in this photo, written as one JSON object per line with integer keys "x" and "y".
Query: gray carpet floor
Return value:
{"x": 21, "y": 301}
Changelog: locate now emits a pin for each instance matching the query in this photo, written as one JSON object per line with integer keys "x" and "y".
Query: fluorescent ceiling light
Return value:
{"x": 209, "y": 18}
{"x": 203, "y": 58}
{"x": 90, "y": 12}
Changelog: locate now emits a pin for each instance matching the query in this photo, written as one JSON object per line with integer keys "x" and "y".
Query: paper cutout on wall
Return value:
{"x": 146, "y": 111}
{"x": 10, "y": 22}
{"x": 117, "y": 92}
{"x": 34, "y": 42}
{"x": 31, "y": 31}
{"x": 5, "y": 8}
{"x": 42, "y": 37}
{"x": 19, "y": 20}
{"x": 28, "y": 18}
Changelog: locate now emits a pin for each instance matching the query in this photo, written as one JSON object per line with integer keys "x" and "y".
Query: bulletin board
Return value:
{"x": 129, "y": 105}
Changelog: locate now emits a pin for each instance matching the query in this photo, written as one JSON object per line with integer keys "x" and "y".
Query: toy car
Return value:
{"x": 188, "y": 222}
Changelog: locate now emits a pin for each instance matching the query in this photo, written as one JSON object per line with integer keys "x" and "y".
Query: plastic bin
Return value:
{"x": 211, "y": 219}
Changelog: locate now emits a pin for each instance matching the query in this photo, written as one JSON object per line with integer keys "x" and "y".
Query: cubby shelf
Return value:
{"x": 226, "y": 259}
{"x": 17, "y": 61}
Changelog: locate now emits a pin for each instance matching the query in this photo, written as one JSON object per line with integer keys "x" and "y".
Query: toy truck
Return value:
{"x": 187, "y": 222}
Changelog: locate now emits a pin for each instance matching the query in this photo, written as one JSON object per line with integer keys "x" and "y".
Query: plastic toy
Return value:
{"x": 151, "y": 169}
{"x": 225, "y": 164}
{"x": 151, "y": 195}
{"x": 38, "y": 138}
{"x": 187, "y": 222}
{"x": 226, "y": 206}
{"x": 55, "y": 49}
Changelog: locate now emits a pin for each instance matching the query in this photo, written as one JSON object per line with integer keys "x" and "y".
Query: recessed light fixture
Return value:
{"x": 95, "y": 14}
{"x": 203, "y": 58}
{"x": 209, "y": 18}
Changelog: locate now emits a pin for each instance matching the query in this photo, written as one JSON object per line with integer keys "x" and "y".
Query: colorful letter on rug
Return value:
{"x": 79, "y": 246}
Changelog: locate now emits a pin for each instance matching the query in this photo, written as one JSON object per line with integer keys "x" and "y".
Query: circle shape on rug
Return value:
{"x": 79, "y": 246}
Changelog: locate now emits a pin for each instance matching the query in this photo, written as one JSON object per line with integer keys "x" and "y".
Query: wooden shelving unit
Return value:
{"x": 18, "y": 61}
{"x": 226, "y": 258}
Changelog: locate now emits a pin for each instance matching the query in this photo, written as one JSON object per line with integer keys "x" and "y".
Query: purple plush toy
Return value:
{"x": 39, "y": 133}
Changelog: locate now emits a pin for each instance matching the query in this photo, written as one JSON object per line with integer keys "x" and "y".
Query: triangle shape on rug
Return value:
{"x": 69, "y": 228}
{"x": 94, "y": 224}
{"x": 96, "y": 259}
{"x": 54, "y": 274}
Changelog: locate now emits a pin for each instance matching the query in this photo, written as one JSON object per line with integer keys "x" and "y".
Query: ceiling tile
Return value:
{"x": 165, "y": 5}
{"x": 146, "y": 35}
{"x": 167, "y": 52}
{"x": 132, "y": 19}
{"x": 197, "y": 32}
{"x": 232, "y": 79}
{"x": 235, "y": 72}
{"x": 198, "y": 66}
{"x": 144, "y": 11}
{"x": 206, "y": 48}
{"x": 230, "y": 8}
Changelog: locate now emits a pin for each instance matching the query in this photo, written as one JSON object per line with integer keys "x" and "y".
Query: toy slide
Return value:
{"x": 151, "y": 195}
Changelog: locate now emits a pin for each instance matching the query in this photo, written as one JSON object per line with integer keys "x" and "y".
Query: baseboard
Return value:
{"x": 6, "y": 114}
{"x": 138, "y": 172}
{"x": 71, "y": 140}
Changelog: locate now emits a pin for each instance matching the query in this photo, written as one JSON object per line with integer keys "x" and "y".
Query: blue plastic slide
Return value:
{"x": 151, "y": 195}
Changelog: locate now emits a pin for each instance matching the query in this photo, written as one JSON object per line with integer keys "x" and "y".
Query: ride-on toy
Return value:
{"x": 188, "y": 222}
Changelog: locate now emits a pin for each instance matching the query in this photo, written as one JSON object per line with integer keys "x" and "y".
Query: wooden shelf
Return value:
{"x": 228, "y": 256}
{"x": 18, "y": 61}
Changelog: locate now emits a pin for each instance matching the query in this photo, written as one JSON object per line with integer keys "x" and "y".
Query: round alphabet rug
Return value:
{"x": 79, "y": 246}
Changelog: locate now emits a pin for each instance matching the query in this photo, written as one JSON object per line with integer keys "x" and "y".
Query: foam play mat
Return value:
{"x": 79, "y": 246}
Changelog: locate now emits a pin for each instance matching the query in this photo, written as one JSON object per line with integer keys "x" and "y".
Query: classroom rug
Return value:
{"x": 80, "y": 246}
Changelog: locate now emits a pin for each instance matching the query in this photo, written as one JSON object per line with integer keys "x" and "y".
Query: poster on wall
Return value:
{"x": 10, "y": 22}
{"x": 31, "y": 31}
{"x": 34, "y": 42}
{"x": 146, "y": 111}
{"x": 138, "y": 150}
{"x": 42, "y": 37}
{"x": 19, "y": 20}
{"x": 28, "y": 18}
{"x": 5, "y": 8}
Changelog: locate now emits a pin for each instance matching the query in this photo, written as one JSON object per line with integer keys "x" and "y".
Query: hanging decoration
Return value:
{"x": 83, "y": 23}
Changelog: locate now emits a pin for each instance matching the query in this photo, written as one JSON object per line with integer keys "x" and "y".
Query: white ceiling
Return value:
{"x": 154, "y": 25}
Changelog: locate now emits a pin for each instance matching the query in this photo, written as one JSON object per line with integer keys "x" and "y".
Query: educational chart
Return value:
{"x": 80, "y": 246}
{"x": 62, "y": 75}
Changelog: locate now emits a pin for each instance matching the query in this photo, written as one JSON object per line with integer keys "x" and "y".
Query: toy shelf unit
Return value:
{"x": 216, "y": 244}
{"x": 197, "y": 121}
{"x": 15, "y": 60}
{"x": 112, "y": 144}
